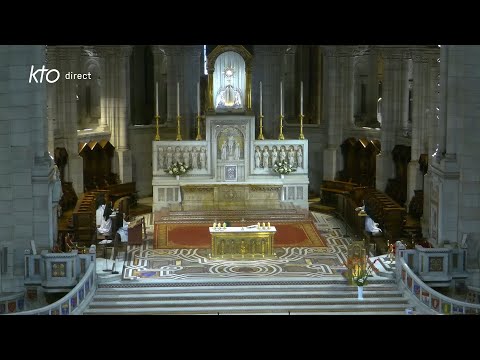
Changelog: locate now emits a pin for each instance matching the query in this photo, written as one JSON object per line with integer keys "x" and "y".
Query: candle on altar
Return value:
{"x": 261, "y": 98}
{"x": 281, "y": 98}
{"x": 178, "y": 99}
{"x": 301, "y": 97}
{"x": 156, "y": 98}
{"x": 198, "y": 98}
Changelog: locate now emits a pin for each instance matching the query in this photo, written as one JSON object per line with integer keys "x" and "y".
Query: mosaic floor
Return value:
{"x": 147, "y": 263}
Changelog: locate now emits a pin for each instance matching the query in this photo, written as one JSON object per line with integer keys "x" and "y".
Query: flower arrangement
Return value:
{"x": 177, "y": 168}
{"x": 283, "y": 167}
{"x": 361, "y": 278}
{"x": 359, "y": 271}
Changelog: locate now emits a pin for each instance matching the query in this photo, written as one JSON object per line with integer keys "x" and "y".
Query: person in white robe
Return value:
{"x": 106, "y": 224}
{"x": 123, "y": 231}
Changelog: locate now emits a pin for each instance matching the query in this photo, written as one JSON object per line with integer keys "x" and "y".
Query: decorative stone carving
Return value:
{"x": 194, "y": 158}
{"x": 274, "y": 154}
{"x": 300, "y": 156}
{"x": 257, "y": 157}
{"x": 203, "y": 158}
{"x": 230, "y": 142}
{"x": 265, "y": 157}
{"x": 291, "y": 156}
{"x": 283, "y": 154}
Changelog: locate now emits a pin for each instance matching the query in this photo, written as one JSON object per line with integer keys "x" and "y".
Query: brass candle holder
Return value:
{"x": 260, "y": 134}
{"x": 301, "y": 137}
{"x": 280, "y": 136}
{"x": 157, "y": 119}
{"x": 179, "y": 135}
{"x": 199, "y": 136}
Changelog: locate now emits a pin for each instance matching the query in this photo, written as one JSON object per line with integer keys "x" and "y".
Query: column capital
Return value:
{"x": 65, "y": 52}
{"x": 173, "y": 50}
{"x": 105, "y": 51}
{"x": 192, "y": 50}
{"x": 343, "y": 51}
{"x": 125, "y": 50}
{"x": 272, "y": 50}
{"x": 158, "y": 49}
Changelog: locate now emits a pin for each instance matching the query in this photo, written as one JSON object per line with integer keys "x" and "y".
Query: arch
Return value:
{"x": 211, "y": 62}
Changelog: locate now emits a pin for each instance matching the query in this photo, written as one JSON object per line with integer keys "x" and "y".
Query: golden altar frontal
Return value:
{"x": 242, "y": 243}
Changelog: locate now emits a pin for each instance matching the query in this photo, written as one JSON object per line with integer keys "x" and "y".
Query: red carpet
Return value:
{"x": 187, "y": 236}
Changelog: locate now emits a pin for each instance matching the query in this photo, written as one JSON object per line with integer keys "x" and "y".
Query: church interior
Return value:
{"x": 239, "y": 179}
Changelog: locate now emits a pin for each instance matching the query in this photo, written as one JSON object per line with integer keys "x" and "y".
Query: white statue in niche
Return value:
{"x": 274, "y": 154}
{"x": 231, "y": 142}
{"x": 266, "y": 155}
{"x": 194, "y": 158}
{"x": 203, "y": 158}
{"x": 186, "y": 156}
{"x": 169, "y": 156}
{"x": 283, "y": 154}
{"x": 236, "y": 156}
{"x": 224, "y": 150}
{"x": 257, "y": 157}
{"x": 160, "y": 158}
{"x": 291, "y": 156}
{"x": 178, "y": 154}
{"x": 300, "y": 156}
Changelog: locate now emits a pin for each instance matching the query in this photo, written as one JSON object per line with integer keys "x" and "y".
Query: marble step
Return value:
{"x": 353, "y": 308}
{"x": 243, "y": 291}
{"x": 242, "y": 295}
{"x": 250, "y": 301}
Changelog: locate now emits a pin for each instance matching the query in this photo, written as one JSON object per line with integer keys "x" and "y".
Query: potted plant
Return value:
{"x": 177, "y": 168}
{"x": 283, "y": 167}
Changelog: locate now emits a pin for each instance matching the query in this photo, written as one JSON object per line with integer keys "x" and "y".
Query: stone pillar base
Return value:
{"x": 384, "y": 170}
{"x": 75, "y": 172}
{"x": 330, "y": 167}
{"x": 123, "y": 157}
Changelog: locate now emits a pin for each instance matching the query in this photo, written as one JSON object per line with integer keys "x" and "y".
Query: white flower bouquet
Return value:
{"x": 177, "y": 168}
{"x": 283, "y": 167}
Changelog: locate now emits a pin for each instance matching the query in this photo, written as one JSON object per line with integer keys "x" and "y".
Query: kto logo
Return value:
{"x": 46, "y": 72}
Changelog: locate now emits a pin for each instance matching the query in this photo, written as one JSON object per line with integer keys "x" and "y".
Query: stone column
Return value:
{"x": 433, "y": 70}
{"x": 25, "y": 166}
{"x": 103, "y": 96}
{"x": 290, "y": 79}
{"x": 122, "y": 91}
{"x": 392, "y": 112}
{"x": 455, "y": 167}
{"x": 174, "y": 74}
{"x": 372, "y": 86}
{"x": 188, "y": 89}
{"x": 268, "y": 61}
{"x": 51, "y": 102}
{"x": 420, "y": 104}
{"x": 67, "y": 115}
{"x": 338, "y": 72}
{"x": 318, "y": 86}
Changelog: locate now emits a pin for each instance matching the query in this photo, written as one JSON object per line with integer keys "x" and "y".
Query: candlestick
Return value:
{"x": 280, "y": 136}
{"x": 156, "y": 98}
{"x": 178, "y": 99}
{"x": 199, "y": 136}
{"x": 261, "y": 113}
{"x": 260, "y": 134}
{"x": 157, "y": 136}
{"x": 301, "y": 136}
{"x": 301, "y": 97}
{"x": 179, "y": 135}
{"x": 198, "y": 99}
{"x": 281, "y": 98}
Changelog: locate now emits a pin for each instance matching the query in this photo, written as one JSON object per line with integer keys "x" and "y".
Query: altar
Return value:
{"x": 229, "y": 164}
{"x": 242, "y": 242}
